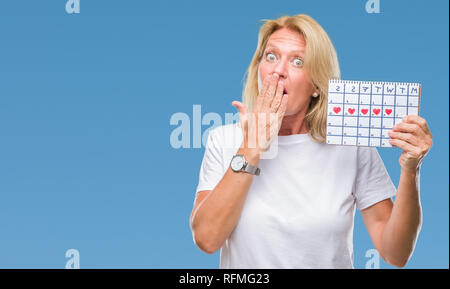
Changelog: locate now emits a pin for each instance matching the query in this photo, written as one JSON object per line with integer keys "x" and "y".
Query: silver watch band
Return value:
{"x": 251, "y": 169}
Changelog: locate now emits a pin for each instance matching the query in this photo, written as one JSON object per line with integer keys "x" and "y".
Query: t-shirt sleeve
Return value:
{"x": 211, "y": 169}
{"x": 373, "y": 183}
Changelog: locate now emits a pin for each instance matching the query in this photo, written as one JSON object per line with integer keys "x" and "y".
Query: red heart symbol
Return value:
{"x": 388, "y": 111}
{"x": 364, "y": 111}
{"x": 376, "y": 111}
{"x": 336, "y": 109}
{"x": 351, "y": 110}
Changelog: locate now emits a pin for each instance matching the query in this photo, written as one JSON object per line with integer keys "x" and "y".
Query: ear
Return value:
{"x": 316, "y": 90}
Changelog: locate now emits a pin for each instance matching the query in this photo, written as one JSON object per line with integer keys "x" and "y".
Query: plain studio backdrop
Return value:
{"x": 86, "y": 99}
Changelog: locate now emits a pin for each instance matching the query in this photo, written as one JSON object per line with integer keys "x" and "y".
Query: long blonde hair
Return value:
{"x": 320, "y": 61}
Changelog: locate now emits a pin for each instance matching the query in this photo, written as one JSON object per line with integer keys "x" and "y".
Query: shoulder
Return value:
{"x": 367, "y": 154}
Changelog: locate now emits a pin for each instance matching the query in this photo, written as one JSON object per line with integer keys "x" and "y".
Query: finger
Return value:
{"x": 278, "y": 96}
{"x": 407, "y": 127}
{"x": 417, "y": 120}
{"x": 275, "y": 125}
{"x": 240, "y": 106}
{"x": 262, "y": 93}
{"x": 407, "y": 137}
{"x": 407, "y": 147}
{"x": 268, "y": 97}
{"x": 282, "y": 108}
{"x": 263, "y": 125}
{"x": 242, "y": 110}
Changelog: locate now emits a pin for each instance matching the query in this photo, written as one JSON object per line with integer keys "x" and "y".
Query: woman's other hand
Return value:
{"x": 413, "y": 136}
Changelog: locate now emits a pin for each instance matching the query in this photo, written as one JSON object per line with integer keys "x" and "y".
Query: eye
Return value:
{"x": 298, "y": 62}
{"x": 270, "y": 57}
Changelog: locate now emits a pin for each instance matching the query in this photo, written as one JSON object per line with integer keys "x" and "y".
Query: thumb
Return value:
{"x": 240, "y": 106}
{"x": 242, "y": 113}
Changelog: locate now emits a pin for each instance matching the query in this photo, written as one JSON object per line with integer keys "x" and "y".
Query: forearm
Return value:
{"x": 218, "y": 214}
{"x": 402, "y": 229}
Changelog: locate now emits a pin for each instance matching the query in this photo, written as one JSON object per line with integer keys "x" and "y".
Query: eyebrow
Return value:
{"x": 291, "y": 52}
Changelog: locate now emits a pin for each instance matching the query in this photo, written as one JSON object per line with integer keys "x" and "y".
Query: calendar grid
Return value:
{"x": 395, "y": 101}
{"x": 343, "y": 105}
{"x": 382, "y": 111}
{"x": 370, "y": 112}
{"x": 357, "y": 120}
{"x": 407, "y": 101}
{"x": 361, "y": 112}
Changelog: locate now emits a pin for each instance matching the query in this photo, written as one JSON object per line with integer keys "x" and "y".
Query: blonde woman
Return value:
{"x": 296, "y": 210}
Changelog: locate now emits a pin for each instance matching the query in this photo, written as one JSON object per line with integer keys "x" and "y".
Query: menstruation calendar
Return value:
{"x": 362, "y": 112}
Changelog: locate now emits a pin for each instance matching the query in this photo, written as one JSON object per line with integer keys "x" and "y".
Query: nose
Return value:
{"x": 281, "y": 68}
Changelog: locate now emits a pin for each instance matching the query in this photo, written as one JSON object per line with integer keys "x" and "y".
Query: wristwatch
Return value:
{"x": 239, "y": 164}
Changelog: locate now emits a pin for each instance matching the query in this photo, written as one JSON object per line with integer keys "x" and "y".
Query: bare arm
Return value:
{"x": 217, "y": 212}
{"x": 402, "y": 230}
{"x": 394, "y": 229}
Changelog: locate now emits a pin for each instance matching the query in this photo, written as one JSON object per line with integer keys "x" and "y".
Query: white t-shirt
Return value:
{"x": 299, "y": 212}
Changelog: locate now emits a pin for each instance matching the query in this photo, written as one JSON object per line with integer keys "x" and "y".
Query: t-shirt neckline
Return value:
{"x": 293, "y": 138}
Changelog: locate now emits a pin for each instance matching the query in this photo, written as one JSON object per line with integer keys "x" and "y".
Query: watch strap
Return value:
{"x": 251, "y": 169}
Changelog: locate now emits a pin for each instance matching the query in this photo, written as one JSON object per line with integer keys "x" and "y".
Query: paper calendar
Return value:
{"x": 362, "y": 112}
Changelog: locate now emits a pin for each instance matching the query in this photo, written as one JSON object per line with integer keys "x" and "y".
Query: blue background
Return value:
{"x": 86, "y": 99}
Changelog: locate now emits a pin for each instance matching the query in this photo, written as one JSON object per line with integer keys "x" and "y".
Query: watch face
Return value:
{"x": 237, "y": 163}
